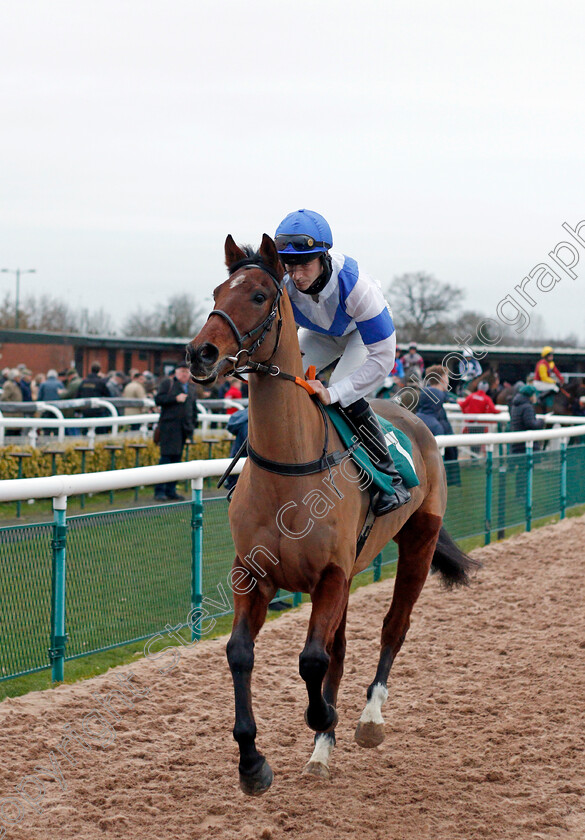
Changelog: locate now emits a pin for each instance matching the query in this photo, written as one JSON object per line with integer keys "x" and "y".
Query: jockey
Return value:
{"x": 547, "y": 371}
{"x": 342, "y": 316}
{"x": 547, "y": 378}
{"x": 469, "y": 367}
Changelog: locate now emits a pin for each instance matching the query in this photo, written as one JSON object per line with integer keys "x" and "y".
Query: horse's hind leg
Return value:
{"x": 329, "y": 602}
{"x": 249, "y": 615}
{"x": 416, "y": 543}
{"x": 318, "y": 764}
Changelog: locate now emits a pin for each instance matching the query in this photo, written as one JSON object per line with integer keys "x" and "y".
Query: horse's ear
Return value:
{"x": 268, "y": 251}
{"x": 233, "y": 253}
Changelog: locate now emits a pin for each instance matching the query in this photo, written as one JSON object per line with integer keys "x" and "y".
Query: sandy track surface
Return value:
{"x": 485, "y": 725}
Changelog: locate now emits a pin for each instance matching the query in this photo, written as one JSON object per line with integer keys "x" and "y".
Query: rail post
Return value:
{"x": 489, "y": 478}
{"x": 502, "y": 479}
{"x": 58, "y": 544}
{"x": 196, "y": 552}
{"x": 564, "y": 477}
{"x": 529, "y": 482}
{"x": 377, "y": 563}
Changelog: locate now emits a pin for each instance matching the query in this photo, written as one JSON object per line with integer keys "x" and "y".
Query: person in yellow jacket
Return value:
{"x": 546, "y": 370}
{"x": 547, "y": 377}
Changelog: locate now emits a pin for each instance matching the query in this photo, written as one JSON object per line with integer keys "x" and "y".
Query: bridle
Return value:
{"x": 263, "y": 328}
{"x": 327, "y": 460}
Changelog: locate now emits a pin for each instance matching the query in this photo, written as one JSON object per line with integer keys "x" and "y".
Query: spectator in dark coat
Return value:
{"x": 94, "y": 386}
{"x": 523, "y": 416}
{"x": 115, "y": 384}
{"x": 25, "y": 384}
{"x": 178, "y": 418}
{"x": 238, "y": 426}
{"x": 433, "y": 396}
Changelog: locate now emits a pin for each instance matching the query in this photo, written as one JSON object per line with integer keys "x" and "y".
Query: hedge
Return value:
{"x": 99, "y": 460}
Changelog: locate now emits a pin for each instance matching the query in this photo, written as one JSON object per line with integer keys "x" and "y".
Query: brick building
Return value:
{"x": 41, "y": 351}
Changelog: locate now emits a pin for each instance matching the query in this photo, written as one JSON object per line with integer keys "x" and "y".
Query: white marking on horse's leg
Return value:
{"x": 318, "y": 764}
{"x": 370, "y": 729}
{"x": 373, "y": 710}
{"x": 323, "y": 749}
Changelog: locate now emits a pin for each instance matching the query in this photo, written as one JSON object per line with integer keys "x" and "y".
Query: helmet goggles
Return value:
{"x": 299, "y": 243}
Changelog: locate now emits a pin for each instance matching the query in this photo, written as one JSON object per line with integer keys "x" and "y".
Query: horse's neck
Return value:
{"x": 283, "y": 425}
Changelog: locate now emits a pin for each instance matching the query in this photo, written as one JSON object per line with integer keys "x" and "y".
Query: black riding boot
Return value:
{"x": 366, "y": 424}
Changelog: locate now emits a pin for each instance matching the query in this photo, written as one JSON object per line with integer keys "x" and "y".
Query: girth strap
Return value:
{"x": 325, "y": 462}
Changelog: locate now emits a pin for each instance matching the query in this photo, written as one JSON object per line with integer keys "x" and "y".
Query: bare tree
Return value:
{"x": 142, "y": 323}
{"x": 7, "y": 314}
{"x": 466, "y": 324}
{"x": 423, "y": 307}
{"x": 180, "y": 317}
{"x": 97, "y": 322}
{"x": 183, "y": 317}
{"x": 45, "y": 313}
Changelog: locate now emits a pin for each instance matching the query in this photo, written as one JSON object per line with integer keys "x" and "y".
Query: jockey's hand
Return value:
{"x": 320, "y": 390}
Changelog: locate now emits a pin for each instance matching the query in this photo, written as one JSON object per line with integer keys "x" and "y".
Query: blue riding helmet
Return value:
{"x": 303, "y": 232}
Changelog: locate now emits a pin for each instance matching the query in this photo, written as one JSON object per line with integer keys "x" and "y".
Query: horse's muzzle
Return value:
{"x": 202, "y": 359}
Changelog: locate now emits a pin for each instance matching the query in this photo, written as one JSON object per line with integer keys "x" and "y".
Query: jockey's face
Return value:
{"x": 304, "y": 276}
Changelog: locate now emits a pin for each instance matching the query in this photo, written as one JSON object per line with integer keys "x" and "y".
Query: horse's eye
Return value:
{"x": 259, "y": 298}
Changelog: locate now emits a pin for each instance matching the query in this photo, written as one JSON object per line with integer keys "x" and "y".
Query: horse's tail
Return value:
{"x": 454, "y": 565}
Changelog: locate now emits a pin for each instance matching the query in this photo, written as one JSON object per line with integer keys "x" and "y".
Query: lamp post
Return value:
{"x": 17, "y": 272}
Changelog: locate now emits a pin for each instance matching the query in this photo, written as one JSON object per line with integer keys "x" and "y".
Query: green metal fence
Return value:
{"x": 88, "y": 583}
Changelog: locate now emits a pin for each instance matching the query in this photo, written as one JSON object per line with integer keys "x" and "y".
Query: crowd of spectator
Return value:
{"x": 19, "y": 385}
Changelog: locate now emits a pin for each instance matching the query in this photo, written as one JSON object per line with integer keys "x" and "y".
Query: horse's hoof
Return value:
{"x": 328, "y": 726}
{"x": 259, "y": 782}
{"x": 318, "y": 770}
{"x": 369, "y": 734}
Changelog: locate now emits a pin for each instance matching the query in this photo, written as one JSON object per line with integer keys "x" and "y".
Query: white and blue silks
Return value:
{"x": 349, "y": 319}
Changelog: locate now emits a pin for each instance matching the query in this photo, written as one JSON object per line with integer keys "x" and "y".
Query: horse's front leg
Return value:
{"x": 318, "y": 764}
{"x": 329, "y": 602}
{"x": 249, "y": 615}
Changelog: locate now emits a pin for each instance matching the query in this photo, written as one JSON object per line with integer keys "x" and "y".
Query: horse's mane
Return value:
{"x": 251, "y": 253}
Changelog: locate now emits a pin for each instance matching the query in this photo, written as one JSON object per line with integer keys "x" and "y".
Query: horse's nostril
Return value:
{"x": 208, "y": 353}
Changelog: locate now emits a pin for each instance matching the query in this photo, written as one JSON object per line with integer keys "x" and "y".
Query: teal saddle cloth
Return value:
{"x": 397, "y": 441}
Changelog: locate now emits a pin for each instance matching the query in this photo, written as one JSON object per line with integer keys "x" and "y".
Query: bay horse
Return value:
{"x": 294, "y": 530}
{"x": 565, "y": 401}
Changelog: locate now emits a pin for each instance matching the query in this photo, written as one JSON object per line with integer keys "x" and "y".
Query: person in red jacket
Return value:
{"x": 479, "y": 402}
{"x": 234, "y": 392}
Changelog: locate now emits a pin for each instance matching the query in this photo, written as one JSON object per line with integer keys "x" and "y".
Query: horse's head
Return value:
{"x": 246, "y": 307}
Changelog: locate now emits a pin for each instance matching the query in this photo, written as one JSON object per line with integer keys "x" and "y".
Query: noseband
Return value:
{"x": 264, "y": 327}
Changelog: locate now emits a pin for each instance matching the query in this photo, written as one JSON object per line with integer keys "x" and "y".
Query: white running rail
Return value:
{"x": 62, "y": 486}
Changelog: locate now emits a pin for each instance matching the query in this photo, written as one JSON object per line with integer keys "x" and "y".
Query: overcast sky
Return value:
{"x": 446, "y": 137}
